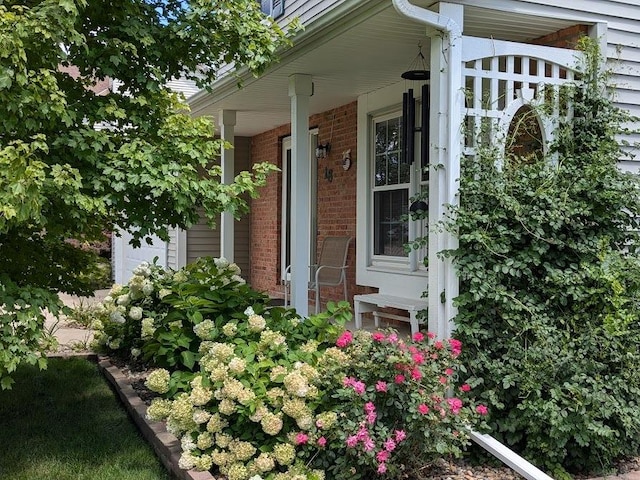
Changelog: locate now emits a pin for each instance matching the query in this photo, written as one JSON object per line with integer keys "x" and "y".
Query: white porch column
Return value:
{"x": 300, "y": 89}
{"x": 446, "y": 149}
{"x": 227, "y": 123}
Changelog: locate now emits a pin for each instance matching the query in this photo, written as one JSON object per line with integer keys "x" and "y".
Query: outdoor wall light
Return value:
{"x": 322, "y": 150}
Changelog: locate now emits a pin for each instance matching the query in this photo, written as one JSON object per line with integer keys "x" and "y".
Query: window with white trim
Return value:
{"x": 275, "y": 8}
{"x": 395, "y": 181}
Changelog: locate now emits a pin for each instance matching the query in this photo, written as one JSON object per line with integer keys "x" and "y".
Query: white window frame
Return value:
{"x": 402, "y": 277}
{"x": 413, "y": 260}
{"x": 273, "y": 8}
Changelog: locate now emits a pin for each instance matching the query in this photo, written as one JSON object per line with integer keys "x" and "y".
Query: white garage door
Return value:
{"x": 126, "y": 258}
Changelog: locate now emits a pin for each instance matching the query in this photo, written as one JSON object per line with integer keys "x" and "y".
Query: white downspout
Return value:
{"x": 427, "y": 17}
{"x": 446, "y": 149}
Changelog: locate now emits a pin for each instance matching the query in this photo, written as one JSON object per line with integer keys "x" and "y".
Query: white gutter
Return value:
{"x": 432, "y": 19}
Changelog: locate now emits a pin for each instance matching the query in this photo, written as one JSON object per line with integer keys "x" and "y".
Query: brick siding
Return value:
{"x": 565, "y": 38}
{"x": 336, "y": 199}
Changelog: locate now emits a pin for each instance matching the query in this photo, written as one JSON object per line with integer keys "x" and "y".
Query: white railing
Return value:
{"x": 508, "y": 457}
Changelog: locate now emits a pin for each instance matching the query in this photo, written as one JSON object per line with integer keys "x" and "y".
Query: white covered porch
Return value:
{"x": 357, "y": 54}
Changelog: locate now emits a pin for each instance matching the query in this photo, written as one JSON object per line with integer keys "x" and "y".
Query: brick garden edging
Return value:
{"x": 166, "y": 445}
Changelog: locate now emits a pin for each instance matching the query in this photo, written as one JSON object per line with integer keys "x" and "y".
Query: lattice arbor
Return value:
{"x": 515, "y": 95}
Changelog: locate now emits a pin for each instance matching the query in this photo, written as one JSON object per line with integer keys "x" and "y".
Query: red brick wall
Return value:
{"x": 336, "y": 199}
{"x": 565, "y": 38}
{"x": 100, "y": 87}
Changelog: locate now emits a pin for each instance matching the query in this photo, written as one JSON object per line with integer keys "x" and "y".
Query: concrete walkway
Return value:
{"x": 72, "y": 337}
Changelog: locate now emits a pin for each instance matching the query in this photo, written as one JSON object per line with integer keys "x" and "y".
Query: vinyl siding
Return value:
{"x": 172, "y": 254}
{"x": 242, "y": 231}
{"x": 204, "y": 241}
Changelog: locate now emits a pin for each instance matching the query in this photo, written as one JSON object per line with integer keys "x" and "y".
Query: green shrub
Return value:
{"x": 550, "y": 289}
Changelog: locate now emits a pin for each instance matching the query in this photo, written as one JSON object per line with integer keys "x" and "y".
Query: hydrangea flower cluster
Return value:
{"x": 152, "y": 304}
{"x": 258, "y": 377}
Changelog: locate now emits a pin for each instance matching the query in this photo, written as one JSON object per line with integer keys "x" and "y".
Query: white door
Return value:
{"x": 285, "y": 243}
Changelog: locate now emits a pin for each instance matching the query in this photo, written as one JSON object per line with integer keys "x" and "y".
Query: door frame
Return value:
{"x": 285, "y": 224}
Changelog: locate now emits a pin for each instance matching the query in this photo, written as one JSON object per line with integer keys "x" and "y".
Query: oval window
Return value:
{"x": 525, "y": 144}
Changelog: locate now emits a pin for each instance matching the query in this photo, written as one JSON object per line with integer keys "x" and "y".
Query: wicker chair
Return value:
{"x": 330, "y": 271}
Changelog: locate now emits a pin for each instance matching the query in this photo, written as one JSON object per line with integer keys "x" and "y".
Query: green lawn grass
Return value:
{"x": 65, "y": 423}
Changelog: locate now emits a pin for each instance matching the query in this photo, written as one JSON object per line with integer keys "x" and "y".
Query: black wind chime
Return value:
{"x": 417, "y": 72}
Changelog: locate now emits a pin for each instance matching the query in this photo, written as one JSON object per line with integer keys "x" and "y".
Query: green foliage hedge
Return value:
{"x": 550, "y": 289}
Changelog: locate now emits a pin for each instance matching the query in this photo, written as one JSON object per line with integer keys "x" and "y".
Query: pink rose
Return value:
{"x": 378, "y": 337}
{"x": 352, "y": 441}
{"x": 382, "y": 456}
{"x": 465, "y": 387}
{"x": 448, "y": 371}
{"x": 418, "y": 358}
{"x": 368, "y": 444}
{"x": 322, "y": 442}
{"x": 455, "y": 404}
{"x": 371, "y": 418}
{"x": 438, "y": 345}
{"x": 345, "y": 339}
{"x": 418, "y": 337}
{"x": 399, "y": 379}
{"x": 359, "y": 387}
{"x": 382, "y": 468}
{"x": 482, "y": 409}
{"x": 416, "y": 374}
{"x": 423, "y": 409}
{"x": 369, "y": 407}
{"x": 400, "y": 435}
{"x": 381, "y": 386}
{"x": 389, "y": 445}
{"x": 456, "y": 346}
{"x": 301, "y": 438}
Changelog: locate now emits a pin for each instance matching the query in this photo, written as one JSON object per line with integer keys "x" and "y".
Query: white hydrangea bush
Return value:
{"x": 255, "y": 403}
{"x": 152, "y": 317}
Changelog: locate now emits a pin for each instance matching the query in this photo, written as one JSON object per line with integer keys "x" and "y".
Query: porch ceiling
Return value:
{"x": 364, "y": 50}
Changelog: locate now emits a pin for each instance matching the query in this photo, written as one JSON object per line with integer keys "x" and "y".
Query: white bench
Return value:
{"x": 371, "y": 302}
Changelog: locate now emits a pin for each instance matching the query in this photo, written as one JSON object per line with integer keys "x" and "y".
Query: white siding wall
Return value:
{"x": 308, "y": 10}
{"x": 186, "y": 87}
{"x": 172, "y": 254}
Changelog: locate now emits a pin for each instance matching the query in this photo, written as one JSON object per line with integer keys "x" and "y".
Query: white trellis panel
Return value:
{"x": 500, "y": 77}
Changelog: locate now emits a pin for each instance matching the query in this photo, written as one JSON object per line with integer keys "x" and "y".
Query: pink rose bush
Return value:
{"x": 392, "y": 398}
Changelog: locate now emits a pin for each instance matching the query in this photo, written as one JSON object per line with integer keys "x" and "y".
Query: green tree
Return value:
{"x": 74, "y": 163}
{"x": 550, "y": 289}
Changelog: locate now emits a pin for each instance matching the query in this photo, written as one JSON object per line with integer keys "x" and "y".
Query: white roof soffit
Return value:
{"x": 355, "y": 48}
